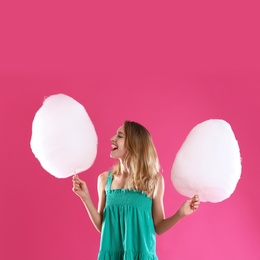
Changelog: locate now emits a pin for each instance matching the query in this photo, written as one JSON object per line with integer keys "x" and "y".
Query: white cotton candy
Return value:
{"x": 63, "y": 137}
{"x": 208, "y": 162}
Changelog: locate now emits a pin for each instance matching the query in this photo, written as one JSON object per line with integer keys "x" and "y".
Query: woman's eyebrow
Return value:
{"x": 121, "y": 133}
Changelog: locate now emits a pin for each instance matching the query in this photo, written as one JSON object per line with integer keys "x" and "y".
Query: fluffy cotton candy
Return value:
{"x": 208, "y": 162}
{"x": 63, "y": 137}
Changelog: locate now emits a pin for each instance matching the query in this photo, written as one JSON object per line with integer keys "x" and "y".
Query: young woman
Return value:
{"x": 130, "y": 209}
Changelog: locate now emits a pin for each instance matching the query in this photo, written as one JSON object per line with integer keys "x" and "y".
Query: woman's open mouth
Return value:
{"x": 114, "y": 147}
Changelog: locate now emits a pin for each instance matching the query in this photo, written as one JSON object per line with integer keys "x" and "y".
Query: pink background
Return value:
{"x": 167, "y": 65}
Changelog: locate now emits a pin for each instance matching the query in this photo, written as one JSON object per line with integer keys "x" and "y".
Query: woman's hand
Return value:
{"x": 79, "y": 187}
{"x": 189, "y": 206}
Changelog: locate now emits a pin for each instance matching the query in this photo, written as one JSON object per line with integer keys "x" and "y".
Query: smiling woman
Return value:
{"x": 118, "y": 149}
{"x": 130, "y": 209}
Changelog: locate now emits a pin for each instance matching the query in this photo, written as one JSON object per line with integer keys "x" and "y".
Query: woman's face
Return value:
{"x": 118, "y": 144}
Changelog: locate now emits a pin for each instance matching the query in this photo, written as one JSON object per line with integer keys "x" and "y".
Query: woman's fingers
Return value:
{"x": 75, "y": 177}
{"x": 76, "y": 183}
{"x": 195, "y": 202}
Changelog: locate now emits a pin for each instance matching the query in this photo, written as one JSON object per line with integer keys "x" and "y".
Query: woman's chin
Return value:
{"x": 115, "y": 155}
{"x": 112, "y": 155}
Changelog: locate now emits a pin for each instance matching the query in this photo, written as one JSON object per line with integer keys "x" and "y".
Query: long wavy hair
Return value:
{"x": 141, "y": 160}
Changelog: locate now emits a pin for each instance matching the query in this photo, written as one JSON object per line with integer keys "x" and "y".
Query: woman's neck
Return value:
{"x": 122, "y": 168}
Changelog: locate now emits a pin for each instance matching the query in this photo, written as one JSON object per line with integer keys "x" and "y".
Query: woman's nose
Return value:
{"x": 113, "y": 138}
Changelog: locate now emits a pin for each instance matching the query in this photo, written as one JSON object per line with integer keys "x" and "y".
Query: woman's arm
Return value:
{"x": 81, "y": 189}
{"x": 163, "y": 224}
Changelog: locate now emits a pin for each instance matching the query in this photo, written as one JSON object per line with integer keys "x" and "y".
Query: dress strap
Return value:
{"x": 109, "y": 180}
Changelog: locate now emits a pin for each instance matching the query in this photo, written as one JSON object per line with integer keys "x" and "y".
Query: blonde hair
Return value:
{"x": 141, "y": 160}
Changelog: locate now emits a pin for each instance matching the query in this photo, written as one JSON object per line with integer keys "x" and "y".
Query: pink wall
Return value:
{"x": 167, "y": 66}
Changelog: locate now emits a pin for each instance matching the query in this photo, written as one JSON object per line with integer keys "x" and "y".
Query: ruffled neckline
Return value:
{"x": 128, "y": 191}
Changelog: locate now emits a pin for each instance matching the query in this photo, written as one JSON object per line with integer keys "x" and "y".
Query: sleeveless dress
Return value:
{"x": 127, "y": 229}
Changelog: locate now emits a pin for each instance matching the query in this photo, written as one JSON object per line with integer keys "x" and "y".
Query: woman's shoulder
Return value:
{"x": 102, "y": 180}
{"x": 159, "y": 185}
{"x": 103, "y": 177}
{"x": 159, "y": 178}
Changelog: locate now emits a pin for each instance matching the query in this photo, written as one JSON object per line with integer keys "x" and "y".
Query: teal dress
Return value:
{"x": 127, "y": 229}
